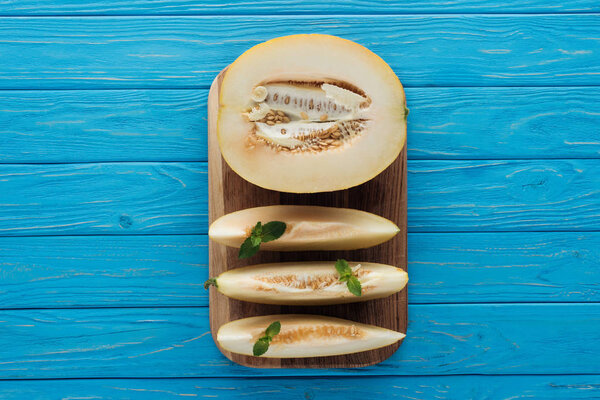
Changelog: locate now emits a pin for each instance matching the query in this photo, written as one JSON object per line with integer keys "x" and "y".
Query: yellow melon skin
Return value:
{"x": 313, "y": 57}
{"x": 308, "y": 228}
{"x": 305, "y": 336}
{"x": 309, "y": 283}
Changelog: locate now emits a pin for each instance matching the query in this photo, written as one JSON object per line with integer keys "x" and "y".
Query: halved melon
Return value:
{"x": 305, "y": 336}
{"x": 308, "y": 283}
{"x": 308, "y": 228}
{"x": 310, "y": 113}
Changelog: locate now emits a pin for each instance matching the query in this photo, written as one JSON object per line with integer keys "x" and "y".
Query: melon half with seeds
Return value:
{"x": 310, "y": 113}
{"x": 305, "y": 336}
{"x": 308, "y": 283}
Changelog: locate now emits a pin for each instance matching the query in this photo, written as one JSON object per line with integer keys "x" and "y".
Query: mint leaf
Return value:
{"x": 261, "y": 346}
{"x": 354, "y": 286}
{"x": 257, "y": 230}
{"x": 346, "y": 275}
{"x": 273, "y": 329}
{"x": 259, "y": 234}
{"x": 209, "y": 282}
{"x": 255, "y": 240}
{"x": 247, "y": 249}
{"x": 343, "y": 269}
{"x": 273, "y": 230}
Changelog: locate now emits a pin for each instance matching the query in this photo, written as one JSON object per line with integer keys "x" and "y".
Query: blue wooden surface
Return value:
{"x": 103, "y": 203}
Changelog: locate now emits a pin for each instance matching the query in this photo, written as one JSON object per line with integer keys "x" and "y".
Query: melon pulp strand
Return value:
{"x": 310, "y": 113}
{"x": 308, "y": 283}
{"x": 308, "y": 228}
{"x": 305, "y": 336}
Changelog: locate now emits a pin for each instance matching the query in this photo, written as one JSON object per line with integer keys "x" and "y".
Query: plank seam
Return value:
{"x": 308, "y": 14}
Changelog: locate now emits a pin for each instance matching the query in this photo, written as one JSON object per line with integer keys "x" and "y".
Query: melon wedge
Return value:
{"x": 308, "y": 228}
{"x": 310, "y": 113}
{"x": 305, "y": 336}
{"x": 308, "y": 283}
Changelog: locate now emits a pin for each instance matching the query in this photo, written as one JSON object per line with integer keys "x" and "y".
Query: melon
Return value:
{"x": 310, "y": 113}
{"x": 308, "y": 283}
{"x": 305, "y": 336}
{"x": 307, "y": 228}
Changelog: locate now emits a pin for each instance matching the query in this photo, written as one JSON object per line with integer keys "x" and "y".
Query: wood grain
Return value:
{"x": 171, "y": 198}
{"x": 102, "y": 125}
{"x": 103, "y": 271}
{"x": 170, "y": 125}
{"x": 456, "y": 387}
{"x": 158, "y": 270}
{"x": 275, "y": 7}
{"x": 385, "y": 195}
{"x": 108, "y": 198}
{"x": 504, "y": 195}
{"x": 175, "y": 342}
{"x": 175, "y": 52}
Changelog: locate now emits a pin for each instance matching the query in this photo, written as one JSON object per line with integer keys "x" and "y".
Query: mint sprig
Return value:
{"x": 346, "y": 275}
{"x": 262, "y": 345}
{"x": 261, "y": 234}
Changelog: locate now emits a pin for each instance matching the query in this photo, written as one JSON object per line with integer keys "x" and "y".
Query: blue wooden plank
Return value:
{"x": 103, "y": 125}
{"x": 175, "y": 342}
{"x": 171, "y": 198}
{"x": 147, "y": 271}
{"x": 473, "y": 387}
{"x": 429, "y": 50}
{"x": 503, "y": 123}
{"x": 106, "y": 271}
{"x": 103, "y": 198}
{"x": 275, "y": 7}
{"x": 536, "y": 195}
{"x": 170, "y": 125}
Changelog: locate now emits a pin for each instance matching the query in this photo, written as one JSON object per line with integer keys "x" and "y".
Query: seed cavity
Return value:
{"x": 320, "y": 332}
{"x": 322, "y": 281}
{"x": 298, "y": 117}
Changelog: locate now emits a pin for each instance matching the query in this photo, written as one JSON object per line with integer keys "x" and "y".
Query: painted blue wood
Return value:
{"x": 102, "y": 125}
{"x": 473, "y": 387}
{"x": 110, "y": 198}
{"x": 147, "y": 271}
{"x": 275, "y": 7}
{"x": 537, "y": 195}
{"x": 105, "y": 271}
{"x": 171, "y": 198}
{"x": 424, "y": 50}
{"x": 170, "y": 125}
{"x": 175, "y": 342}
{"x": 135, "y": 199}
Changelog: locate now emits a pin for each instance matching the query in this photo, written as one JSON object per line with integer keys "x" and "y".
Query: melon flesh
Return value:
{"x": 305, "y": 336}
{"x": 309, "y": 283}
{"x": 310, "y": 113}
{"x": 308, "y": 228}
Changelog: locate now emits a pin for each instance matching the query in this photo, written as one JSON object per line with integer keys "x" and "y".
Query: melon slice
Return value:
{"x": 310, "y": 113}
{"x": 308, "y": 228}
{"x": 308, "y": 283}
{"x": 305, "y": 336}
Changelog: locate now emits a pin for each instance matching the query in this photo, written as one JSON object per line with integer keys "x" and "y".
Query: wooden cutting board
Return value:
{"x": 384, "y": 195}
